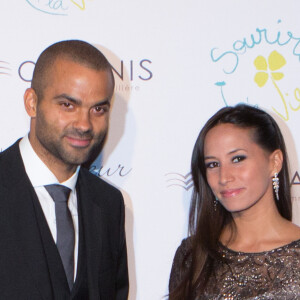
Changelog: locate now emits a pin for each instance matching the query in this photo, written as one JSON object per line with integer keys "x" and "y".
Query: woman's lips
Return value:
{"x": 231, "y": 192}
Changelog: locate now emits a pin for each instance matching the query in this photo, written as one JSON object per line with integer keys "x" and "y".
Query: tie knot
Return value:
{"x": 59, "y": 193}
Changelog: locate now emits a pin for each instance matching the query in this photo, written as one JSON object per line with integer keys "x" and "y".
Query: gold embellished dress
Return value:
{"x": 273, "y": 274}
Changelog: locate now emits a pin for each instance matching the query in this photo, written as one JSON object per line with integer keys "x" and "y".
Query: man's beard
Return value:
{"x": 55, "y": 146}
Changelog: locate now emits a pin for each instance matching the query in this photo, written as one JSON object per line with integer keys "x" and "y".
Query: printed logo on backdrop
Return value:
{"x": 120, "y": 171}
{"x": 58, "y": 7}
{"x": 5, "y": 69}
{"x": 296, "y": 182}
{"x": 174, "y": 179}
{"x": 129, "y": 74}
{"x": 271, "y": 74}
{"x": 296, "y": 179}
{"x": 138, "y": 71}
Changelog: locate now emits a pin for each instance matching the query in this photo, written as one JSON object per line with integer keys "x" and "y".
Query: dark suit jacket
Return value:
{"x": 24, "y": 271}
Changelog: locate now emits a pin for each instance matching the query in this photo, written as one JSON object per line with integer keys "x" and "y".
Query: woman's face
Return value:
{"x": 238, "y": 170}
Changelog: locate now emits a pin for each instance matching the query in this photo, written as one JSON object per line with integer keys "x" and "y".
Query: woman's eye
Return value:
{"x": 239, "y": 158}
{"x": 211, "y": 165}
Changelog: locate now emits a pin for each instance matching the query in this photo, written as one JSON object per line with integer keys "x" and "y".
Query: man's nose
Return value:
{"x": 83, "y": 121}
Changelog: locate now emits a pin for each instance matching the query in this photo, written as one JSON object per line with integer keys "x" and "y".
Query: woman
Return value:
{"x": 242, "y": 243}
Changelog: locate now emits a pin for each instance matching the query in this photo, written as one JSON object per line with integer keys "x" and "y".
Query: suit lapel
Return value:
{"x": 93, "y": 231}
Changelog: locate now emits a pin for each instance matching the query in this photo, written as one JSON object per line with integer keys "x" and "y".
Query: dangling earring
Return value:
{"x": 275, "y": 180}
{"x": 216, "y": 203}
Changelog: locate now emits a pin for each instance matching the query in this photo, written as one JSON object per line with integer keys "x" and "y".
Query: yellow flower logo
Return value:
{"x": 268, "y": 70}
{"x": 79, "y": 4}
{"x": 275, "y": 62}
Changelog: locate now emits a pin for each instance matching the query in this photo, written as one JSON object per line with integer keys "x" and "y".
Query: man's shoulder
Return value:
{"x": 11, "y": 167}
{"x": 10, "y": 153}
{"x": 95, "y": 182}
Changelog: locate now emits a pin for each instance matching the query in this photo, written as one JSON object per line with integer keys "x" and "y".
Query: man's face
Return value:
{"x": 71, "y": 119}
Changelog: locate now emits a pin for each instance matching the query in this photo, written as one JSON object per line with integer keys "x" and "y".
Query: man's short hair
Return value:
{"x": 75, "y": 50}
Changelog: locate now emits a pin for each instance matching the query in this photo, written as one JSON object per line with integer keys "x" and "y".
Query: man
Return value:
{"x": 62, "y": 228}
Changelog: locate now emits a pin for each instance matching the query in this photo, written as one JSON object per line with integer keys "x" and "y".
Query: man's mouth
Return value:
{"x": 79, "y": 142}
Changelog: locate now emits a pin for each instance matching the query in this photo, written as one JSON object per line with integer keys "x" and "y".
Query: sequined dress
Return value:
{"x": 273, "y": 274}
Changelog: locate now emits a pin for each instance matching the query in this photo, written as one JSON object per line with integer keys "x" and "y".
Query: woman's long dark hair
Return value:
{"x": 207, "y": 222}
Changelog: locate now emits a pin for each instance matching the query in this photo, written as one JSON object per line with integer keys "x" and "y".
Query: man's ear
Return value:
{"x": 30, "y": 102}
{"x": 276, "y": 161}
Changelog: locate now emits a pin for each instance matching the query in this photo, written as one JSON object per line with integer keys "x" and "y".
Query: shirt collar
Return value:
{"x": 37, "y": 171}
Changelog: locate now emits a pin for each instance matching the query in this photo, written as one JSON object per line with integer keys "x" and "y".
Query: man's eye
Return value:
{"x": 211, "y": 165}
{"x": 239, "y": 158}
{"x": 66, "y": 104}
{"x": 100, "y": 109}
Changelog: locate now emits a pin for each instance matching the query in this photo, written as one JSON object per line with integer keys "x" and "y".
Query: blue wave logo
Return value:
{"x": 52, "y": 7}
{"x": 177, "y": 179}
{"x": 57, "y": 7}
{"x": 4, "y": 68}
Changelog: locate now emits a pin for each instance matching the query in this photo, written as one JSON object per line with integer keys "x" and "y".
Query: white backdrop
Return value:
{"x": 176, "y": 63}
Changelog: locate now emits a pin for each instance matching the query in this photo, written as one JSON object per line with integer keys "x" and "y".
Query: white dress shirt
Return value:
{"x": 40, "y": 175}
